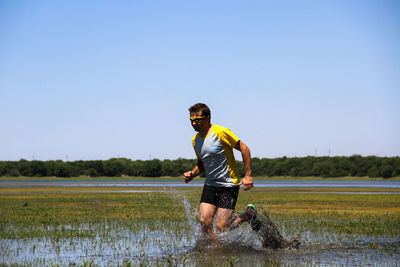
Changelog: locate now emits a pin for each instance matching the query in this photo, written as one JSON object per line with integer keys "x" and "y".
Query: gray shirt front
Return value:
{"x": 215, "y": 151}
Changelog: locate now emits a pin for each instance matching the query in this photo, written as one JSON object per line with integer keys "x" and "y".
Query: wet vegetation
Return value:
{"x": 161, "y": 228}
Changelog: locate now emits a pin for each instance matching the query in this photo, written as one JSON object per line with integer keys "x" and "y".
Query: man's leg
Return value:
{"x": 237, "y": 221}
{"x": 250, "y": 215}
{"x": 207, "y": 214}
{"x": 224, "y": 217}
{"x": 226, "y": 206}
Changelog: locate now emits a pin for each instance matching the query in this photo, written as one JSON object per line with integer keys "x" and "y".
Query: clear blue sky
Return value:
{"x": 102, "y": 79}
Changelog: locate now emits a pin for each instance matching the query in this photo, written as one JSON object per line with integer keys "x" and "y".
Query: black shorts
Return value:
{"x": 221, "y": 197}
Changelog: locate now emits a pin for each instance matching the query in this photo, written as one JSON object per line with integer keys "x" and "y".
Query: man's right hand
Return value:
{"x": 188, "y": 176}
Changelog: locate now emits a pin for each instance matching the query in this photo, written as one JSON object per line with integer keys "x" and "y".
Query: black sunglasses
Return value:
{"x": 197, "y": 119}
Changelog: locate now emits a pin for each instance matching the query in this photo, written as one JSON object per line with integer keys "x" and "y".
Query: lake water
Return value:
{"x": 199, "y": 183}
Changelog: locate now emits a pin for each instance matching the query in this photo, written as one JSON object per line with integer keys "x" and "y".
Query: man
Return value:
{"x": 213, "y": 146}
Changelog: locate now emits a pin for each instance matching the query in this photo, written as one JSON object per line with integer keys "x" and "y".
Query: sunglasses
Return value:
{"x": 197, "y": 119}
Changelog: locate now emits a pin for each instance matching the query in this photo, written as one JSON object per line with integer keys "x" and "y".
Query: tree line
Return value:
{"x": 356, "y": 165}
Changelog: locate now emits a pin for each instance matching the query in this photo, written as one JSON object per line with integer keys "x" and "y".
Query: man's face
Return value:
{"x": 198, "y": 121}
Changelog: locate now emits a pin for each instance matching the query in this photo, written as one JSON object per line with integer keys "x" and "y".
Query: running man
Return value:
{"x": 213, "y": 145}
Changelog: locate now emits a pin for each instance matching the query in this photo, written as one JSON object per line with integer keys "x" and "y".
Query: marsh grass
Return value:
{"x": 27, "y": 216}
{"x": 111, "y": 228}
{"x": 375, "y": 215}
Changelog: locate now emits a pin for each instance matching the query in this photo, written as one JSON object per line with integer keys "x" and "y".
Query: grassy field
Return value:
{"x": 43, "y": 214}
{"x": 315, "y": 216}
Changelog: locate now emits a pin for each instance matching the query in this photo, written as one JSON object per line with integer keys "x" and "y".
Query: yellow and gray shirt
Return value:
{"x": 216, "y": 152}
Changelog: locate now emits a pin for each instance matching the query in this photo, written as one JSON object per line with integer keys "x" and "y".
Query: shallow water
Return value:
{"x": 162, "y": 248}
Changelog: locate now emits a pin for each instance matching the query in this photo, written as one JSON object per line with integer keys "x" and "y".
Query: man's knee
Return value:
{"x": 207, "y": 213}
{"x": 222, "y": 225}
{"x": 206, "y": 221}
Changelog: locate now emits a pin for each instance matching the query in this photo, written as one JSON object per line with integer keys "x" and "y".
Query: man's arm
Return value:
{"x": 247, "y": 181}
{"x": 199, "y": 168}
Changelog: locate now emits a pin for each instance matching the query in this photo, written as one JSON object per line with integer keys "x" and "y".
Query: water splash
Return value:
{"x": 242, "y": 236}
{"x": 191, "y": 218}
{"x": 191, "y": 214}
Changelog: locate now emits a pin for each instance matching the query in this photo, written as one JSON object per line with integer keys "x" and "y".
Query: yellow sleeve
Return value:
{"x": 226, "y": 135}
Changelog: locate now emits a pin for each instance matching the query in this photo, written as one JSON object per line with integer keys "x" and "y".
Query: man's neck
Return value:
{"x": 204, "y": 132}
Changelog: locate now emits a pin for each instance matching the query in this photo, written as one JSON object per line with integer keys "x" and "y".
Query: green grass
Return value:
{"x": 61, "y": 215}
{"x": 362, "y": 214}
{"x": 48, "y": 214}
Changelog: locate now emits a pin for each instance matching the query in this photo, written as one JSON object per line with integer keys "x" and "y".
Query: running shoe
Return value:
{"x": 251, "y": 212}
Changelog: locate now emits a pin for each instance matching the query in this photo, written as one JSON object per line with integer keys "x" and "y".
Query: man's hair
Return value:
{"x": 203, "y": 108}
